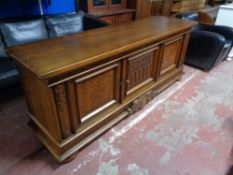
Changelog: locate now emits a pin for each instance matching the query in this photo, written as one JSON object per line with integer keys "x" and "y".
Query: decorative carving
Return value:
{"x": 141, "y": 102}
{"x": 62, "y": 110}
{"x": 139, "y": 70}
{"x": 60, "y": 94}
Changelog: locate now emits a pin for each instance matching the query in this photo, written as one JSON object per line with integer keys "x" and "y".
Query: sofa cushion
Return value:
{"x": 23, "y": 32}
{"x": 60, "y": 25}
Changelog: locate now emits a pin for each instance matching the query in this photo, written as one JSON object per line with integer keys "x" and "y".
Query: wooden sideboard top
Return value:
{"x": 54, "y": 57}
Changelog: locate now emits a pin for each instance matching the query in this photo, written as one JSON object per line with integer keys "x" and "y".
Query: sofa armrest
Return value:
{"x": 204, "y": 49}
{"x": 226, "y": 31}
{"x": 91, "y": 22}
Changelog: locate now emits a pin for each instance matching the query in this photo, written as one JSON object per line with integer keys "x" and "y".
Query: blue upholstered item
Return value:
{"x": 61, "y": 25}
{"x": 23, "y": 32}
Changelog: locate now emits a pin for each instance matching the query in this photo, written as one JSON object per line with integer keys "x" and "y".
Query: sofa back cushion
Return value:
{"x": 23, "y": 32}
{"x": 61, "y": 25}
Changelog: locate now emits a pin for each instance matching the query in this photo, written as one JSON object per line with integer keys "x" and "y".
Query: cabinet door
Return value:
{"x": 170, "y": 56}
{"x": 140, "y": 69}
{"x": 95, "y": 91}
{"x": 98, "y": 5}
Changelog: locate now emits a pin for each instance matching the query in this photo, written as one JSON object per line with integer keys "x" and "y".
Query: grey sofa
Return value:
{"x": 16, "y": 31}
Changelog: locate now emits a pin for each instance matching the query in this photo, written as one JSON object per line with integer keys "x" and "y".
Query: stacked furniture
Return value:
{"x": 17, "y": 31}
{"x": 110, "y": 11}
{"x": 209, "y": 44}
{"x": 187, "y": 5}
{"x": 148, "y": 8}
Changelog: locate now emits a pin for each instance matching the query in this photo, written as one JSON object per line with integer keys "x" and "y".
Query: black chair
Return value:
{"x": 209, "y": 44}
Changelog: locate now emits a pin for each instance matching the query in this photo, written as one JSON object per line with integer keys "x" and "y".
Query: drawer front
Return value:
{"x": 124, "y": 18}
{"x": 171, "y": 52}
{"x": 108, "y": 19}
{"x": 141, "y": 69}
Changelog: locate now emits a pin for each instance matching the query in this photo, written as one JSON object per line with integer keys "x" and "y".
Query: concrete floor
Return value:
{"x": 186, "y": 130}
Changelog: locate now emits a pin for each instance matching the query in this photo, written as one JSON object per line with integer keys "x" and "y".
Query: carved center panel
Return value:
{"x": 139, "y": 70}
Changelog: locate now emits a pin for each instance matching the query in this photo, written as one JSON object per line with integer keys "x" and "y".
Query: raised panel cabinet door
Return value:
{"x": 140, "y": 69}
{"x": 95, "y": 91}
{"x": 170, "y": 55}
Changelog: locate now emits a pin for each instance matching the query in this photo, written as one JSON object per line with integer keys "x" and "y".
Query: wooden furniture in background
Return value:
{"x": 143, "y": 8}
{"x": 110, "y": 11}
{"x": 204, "y": 18}
{"x": 187, "y": 5}
{"x": 166, "y": 8}
{"x": 147, "y": 8}
{"x": 79, "y": 86}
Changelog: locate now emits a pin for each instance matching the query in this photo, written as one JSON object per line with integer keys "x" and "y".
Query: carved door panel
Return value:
{"x": 140, "y": 69}
{"x": 95, "y": 91}
{"x": 170, "y": 55}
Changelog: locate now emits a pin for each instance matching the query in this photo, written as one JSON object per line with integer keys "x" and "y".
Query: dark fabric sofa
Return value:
{"x": 209, "y": 44}
{"x": 21, "y": 30}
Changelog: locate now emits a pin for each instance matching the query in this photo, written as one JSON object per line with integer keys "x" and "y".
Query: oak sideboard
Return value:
{"x": 79, "y": 86}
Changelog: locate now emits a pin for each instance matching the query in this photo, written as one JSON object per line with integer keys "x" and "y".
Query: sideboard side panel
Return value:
{"x": 40, "y": 104}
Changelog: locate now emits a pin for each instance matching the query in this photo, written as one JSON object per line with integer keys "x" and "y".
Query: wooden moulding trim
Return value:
{"x": 62, "y": 109}
{"x": 90, "y": 138}
{"x": 168, "y": 83}
{"x": 114, "y": 112}
{"x": 88, "y": 116}
{"x": 186, "y": 39}
{"x": 96, "y": 73}
{"x": 44, "y": 131}
{"x": 151, "y": 79}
